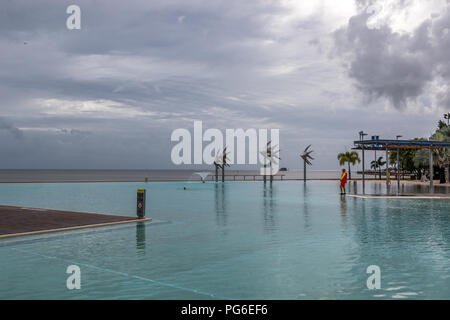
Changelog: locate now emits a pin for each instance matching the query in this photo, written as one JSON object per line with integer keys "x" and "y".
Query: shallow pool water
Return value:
{"x": 237, "y": 240}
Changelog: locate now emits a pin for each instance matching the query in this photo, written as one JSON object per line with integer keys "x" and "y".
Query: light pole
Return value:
{"x": 447, "y": 116}
{"x": 398, "y": 166}
{"x": 361, "y": 138}
{"x": 431, "y": 168}
{"x": 375, "y": 152}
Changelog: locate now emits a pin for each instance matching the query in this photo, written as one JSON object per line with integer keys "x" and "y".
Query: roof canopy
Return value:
{"x": 377, "y": 144}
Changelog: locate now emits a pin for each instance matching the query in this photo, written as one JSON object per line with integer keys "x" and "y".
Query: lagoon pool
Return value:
{"x": 237, "y": 240}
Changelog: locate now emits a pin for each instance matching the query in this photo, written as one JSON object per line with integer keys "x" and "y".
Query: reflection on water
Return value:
{"x": 355, "y": 187}
{"x": 381, "y": 188}
{"x": 343, "y": 208}
{"x": 220, "y": 204}
{"x": 306, "y": 219}
{"x": 269, "y": 206}
{"x": 403, "y": 242}
{"x": 140, "y": 238}
{"x": 261, "y": 251}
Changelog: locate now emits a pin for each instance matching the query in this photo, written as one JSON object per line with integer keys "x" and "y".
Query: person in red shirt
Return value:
{"x": 343, "y": 181}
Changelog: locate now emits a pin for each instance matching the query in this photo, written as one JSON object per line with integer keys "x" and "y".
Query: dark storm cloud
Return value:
{"x": 207, "y": 43}
{"x": 395, "y": 66}
{"x": 23, "y": 17}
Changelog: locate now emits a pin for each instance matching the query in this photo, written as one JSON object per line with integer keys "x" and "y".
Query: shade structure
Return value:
{"x": 395, "y": 144}
{"x": 399, "y": 144}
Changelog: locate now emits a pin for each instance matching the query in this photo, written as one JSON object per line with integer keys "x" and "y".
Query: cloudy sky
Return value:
{"x": 110, "y": 94}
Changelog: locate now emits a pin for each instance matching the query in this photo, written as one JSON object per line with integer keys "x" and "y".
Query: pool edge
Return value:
{"x": 97, "y": 225}
{"x": 397, "y": 197}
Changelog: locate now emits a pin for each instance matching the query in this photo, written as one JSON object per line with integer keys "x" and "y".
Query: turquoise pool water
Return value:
{"x": 238, "y": 240}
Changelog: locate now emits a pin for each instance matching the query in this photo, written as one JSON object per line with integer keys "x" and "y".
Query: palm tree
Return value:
{"x": 443, "y": 155}
{"x": 350, "y": 158}
{"x": 446, "y": 134}
{"x": 377, "y": 164}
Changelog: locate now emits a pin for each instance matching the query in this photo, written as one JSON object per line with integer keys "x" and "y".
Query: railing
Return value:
{"x": 213, "y": 177}
{"x": 392, "y": 172}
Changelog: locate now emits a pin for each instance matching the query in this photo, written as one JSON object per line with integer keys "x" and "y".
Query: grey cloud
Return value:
{"x": 391, "y": 65}
{"x": 9, "y": 127}
{"x": 75, "y": 132}
{"x": 80, "y": 132}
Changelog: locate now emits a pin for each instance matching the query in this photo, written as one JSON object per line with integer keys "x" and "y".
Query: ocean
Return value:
{"x": 20, "y": 175}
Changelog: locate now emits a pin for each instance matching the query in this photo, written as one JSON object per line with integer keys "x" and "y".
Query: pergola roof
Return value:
{"x": 399, "y": 144}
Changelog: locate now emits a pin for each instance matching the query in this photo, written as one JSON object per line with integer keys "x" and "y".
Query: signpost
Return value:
{"x": 140, "y": 207}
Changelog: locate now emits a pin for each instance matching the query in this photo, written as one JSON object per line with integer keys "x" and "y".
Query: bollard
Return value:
{"x": 140, "y": 208}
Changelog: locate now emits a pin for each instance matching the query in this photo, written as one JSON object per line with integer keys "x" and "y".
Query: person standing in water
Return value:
{"x": 343, "y": 181}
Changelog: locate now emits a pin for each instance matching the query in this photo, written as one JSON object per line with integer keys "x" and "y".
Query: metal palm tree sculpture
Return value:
{"x": 221, "y": 161}
{"x": 271, "y": 154}
{"x": 306, "y": 156}
{"x": 217, "y": 164}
